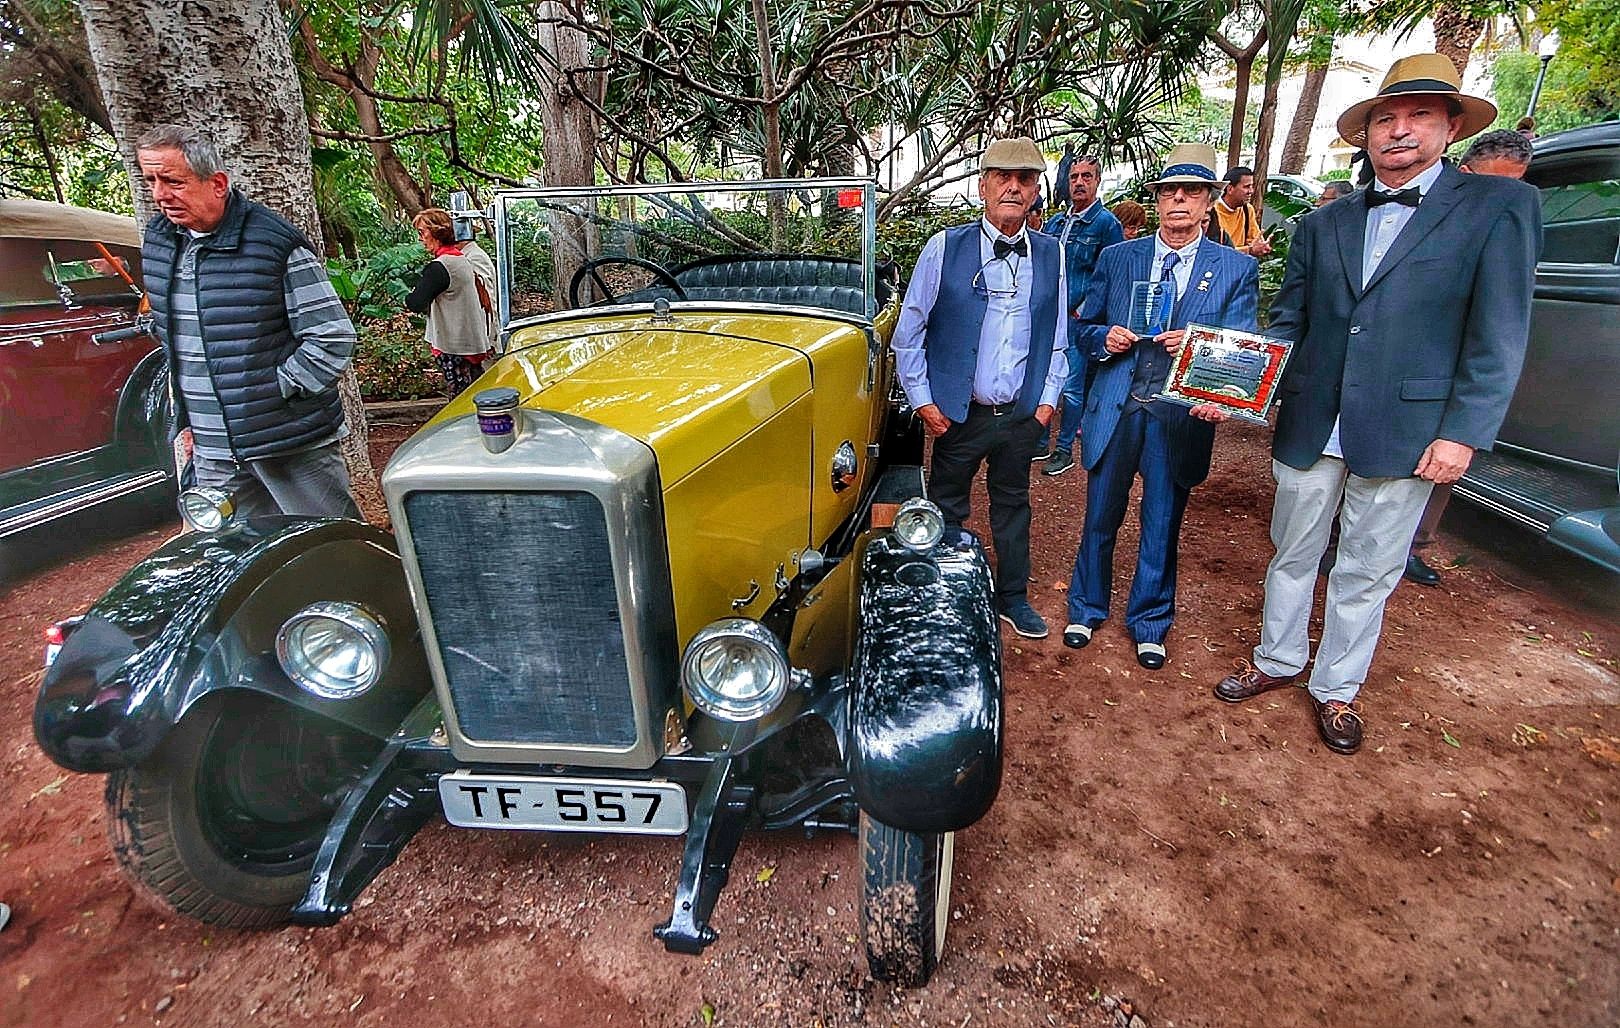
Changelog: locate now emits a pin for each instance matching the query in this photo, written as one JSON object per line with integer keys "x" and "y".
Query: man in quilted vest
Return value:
{"x": 255, "y": 335}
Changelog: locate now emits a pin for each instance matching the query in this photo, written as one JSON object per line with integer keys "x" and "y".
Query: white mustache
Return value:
{"x": 1392, "y": 147}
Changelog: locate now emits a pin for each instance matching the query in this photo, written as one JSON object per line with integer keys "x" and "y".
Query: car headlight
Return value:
{"x": 735, "y": 670}
{"x": 334, "y": 650}
{"x": 206, "y": 509}
{"x": 918, "y": 525}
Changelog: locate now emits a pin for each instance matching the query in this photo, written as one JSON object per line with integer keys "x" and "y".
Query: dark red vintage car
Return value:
{"x": 84, "y": 397}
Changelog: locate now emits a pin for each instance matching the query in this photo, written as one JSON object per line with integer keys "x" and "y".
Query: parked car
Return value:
{"x": 666, "y": 569}
{"x": 1288, "y": 198}
{"x": 1556, "y": 465}
{"x": 83, "y": 391}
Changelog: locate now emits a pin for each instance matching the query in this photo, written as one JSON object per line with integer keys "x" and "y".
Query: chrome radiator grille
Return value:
{"x": 520, "y": 589}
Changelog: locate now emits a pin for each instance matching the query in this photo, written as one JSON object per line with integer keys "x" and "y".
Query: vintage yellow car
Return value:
{"x": 667, "y": 568}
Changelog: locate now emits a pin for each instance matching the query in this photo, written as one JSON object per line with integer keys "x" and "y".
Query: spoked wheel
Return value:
{"x": 223, "y": 824}
{"x": 905, "y": 901}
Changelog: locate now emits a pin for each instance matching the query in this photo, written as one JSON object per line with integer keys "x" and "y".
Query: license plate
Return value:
{"x": 563, "y": 804}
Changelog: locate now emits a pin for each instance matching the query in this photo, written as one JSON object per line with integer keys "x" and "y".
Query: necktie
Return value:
{"x": 1407, "y": 197}
{"x": 1171, "y": 259}
{"x": 1003, "y": 247}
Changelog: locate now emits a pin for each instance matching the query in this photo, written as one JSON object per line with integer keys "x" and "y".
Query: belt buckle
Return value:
{"x": 998, "y": 409}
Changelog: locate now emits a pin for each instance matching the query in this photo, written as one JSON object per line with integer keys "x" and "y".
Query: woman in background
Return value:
{"x": 459, "y": 322}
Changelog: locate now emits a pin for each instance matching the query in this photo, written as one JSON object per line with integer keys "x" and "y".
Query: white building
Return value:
{"x": 1359, "y": 64}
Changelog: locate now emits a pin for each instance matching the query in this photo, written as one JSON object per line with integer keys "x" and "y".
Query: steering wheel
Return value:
{"x": 659, "y": 272}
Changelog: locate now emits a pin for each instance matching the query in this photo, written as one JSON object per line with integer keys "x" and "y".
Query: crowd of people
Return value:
{"x": 1406, "y": 304}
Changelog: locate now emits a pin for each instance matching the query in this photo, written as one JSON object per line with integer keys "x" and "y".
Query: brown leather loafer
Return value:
{"x": 1339, "y": 725}
{"x": 1248, "y": 682}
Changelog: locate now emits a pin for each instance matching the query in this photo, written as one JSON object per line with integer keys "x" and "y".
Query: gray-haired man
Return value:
{"x": 255, "y": 335}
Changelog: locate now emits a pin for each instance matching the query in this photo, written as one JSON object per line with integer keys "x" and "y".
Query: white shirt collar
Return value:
{"x": 995, "y": 233}
{"x": 1425, "y": 180}
{"x": 1160, "y": 247}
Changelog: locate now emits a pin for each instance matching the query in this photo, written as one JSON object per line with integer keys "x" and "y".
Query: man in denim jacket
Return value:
{"x": 1083, "y": 230}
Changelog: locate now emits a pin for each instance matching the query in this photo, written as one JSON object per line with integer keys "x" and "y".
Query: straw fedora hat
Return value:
{"x": 1190, "y": 164}
{"x": 1020, "y": 154}
{"x": 1419, "y": 75}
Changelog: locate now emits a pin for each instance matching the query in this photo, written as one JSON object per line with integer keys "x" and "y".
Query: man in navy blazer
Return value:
{"x": 1409, "y": 306}
{"x": 1125, "y": 431}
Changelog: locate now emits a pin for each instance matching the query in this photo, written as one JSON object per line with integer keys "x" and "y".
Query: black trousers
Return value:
{"x": 1005, "y": 443}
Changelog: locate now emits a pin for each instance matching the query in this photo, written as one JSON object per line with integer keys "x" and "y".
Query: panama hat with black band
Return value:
{"x": 1189, "y": 164}
{"x": 1420, "y": 75}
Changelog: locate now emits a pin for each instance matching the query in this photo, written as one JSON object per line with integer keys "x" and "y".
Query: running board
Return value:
{"x": 81, "y": 499}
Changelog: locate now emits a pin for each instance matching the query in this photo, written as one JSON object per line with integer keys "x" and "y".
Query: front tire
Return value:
{"x": 905, "y": 900}
{"x": 223, "y": 824}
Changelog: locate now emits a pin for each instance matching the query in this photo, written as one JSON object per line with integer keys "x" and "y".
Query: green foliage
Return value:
{"x": 374, "y": 287}
{"x": 1590, "y": 30}
{"x": 1569, "y": 97}
{"x": 393, "y": 361}
{"x": 901, "y": 238}
{"x": 1335, "y": 173}
{"x": 1201, "y": 119}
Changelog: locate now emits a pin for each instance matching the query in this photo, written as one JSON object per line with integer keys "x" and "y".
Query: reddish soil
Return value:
{"x": 1213, "y": 865}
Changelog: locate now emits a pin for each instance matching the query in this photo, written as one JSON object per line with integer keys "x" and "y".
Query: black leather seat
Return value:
{"x": 828, "y": 282}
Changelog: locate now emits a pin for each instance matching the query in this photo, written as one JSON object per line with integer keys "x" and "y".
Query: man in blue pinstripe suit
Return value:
{"x": 1125, "y": 432}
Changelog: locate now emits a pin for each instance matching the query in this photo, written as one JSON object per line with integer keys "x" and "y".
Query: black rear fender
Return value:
{"x": 925, "y": 733}
{"x": 200, "y": 616}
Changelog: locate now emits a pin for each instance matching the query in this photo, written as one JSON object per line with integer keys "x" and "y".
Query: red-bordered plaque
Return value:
{"x": 1238, "y": 371}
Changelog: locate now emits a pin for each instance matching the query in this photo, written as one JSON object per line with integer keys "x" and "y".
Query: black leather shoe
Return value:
{"x": 1249, "y": 682}
{"x": 1058, "y": 463}
{"x": 1419, "y": 572}
{"x": 1075, "y": 637}
{"x": 1150, "y": 655}
{"x": 1339, "y": 725}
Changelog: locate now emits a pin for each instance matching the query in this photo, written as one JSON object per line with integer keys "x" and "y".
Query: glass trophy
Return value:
{"x": 1151, "y": 303}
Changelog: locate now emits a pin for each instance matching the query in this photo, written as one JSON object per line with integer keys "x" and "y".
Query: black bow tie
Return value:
{"x": 1003, "y": 247}
{"x": 1409, "y": 197}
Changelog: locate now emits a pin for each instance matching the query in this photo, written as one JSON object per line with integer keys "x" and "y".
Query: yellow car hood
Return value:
{"x": 688, "y": 394}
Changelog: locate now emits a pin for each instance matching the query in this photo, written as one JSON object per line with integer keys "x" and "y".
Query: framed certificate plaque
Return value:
{"x": 1238, "y": 371}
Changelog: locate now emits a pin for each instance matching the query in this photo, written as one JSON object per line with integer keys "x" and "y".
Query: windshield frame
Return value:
{"x": 504, "y": 249}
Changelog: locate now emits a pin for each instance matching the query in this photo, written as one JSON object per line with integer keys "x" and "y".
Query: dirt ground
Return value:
{"x": 1206, "y": 864}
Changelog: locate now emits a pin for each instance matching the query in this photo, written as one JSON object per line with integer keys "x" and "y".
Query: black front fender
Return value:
{"x": 200, "y": 615}
{"x": 925, "y": 704}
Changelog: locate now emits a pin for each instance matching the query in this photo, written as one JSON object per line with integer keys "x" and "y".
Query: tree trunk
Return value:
{"x": 1455, "y": 33}
{"x": 226, "y": 69}
{"x": 569, "y": 143}
{"x": 776, "y": 201}
{"x": 44, "y": 142}
{"x": 1243, "y": 59}
{"x": 1240, "y": 111}
{"x": 355, "y": 80}
{"x": 1262, "y": 142}
{"x": 1297, "y": 146}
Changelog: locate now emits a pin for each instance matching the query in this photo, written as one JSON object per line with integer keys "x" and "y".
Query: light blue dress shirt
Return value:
{"x": 1384, "y": 224}
{"x": 1004, "y": 336}
{"x": 1182, "y": 272}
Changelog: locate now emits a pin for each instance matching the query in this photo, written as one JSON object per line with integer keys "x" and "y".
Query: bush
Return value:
{"x": 393, "y": 361}
{"x": 374, "y": 287}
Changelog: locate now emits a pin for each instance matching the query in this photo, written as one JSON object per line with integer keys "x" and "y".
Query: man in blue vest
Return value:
{"x": 1083, "y": 231}
{"x": 979, "y": 348}
{"x": 255, "y": 335}
{"x": 1126, "y": 432}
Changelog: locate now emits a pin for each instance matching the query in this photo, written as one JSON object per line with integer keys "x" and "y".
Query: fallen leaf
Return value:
{"x": 1450, "y": 739}
{"x": 706, "y": 1011}
{"x": 1601, "y": 750}
{"x": 765, "y": 874}
{"x": 50, "y": 788}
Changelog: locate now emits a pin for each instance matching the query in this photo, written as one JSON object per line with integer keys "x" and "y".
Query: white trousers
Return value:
{"x": 1376, "y": 525}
